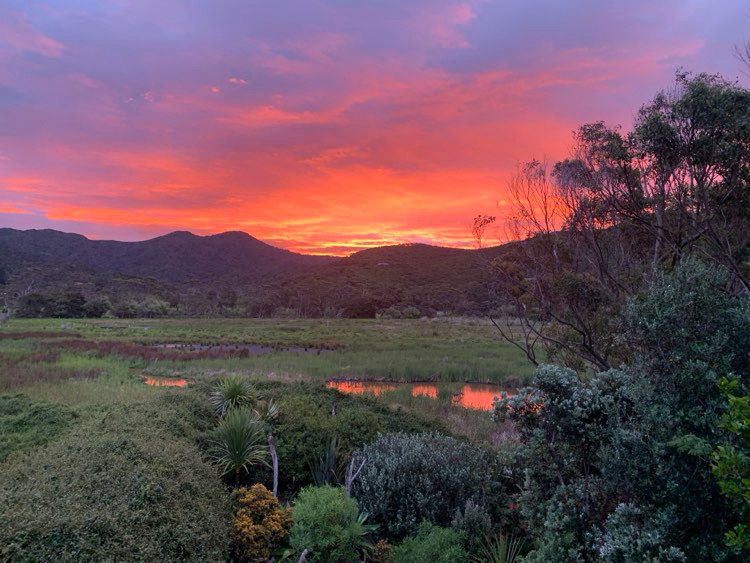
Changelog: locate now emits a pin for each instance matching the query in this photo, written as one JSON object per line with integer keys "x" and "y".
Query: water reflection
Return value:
{"x": 471, "y": 395}
{"x": 165, "y": 382}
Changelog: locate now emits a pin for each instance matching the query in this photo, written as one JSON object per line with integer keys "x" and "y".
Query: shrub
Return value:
{"x": 96, "y": 307}
{"x": 310, "y": 416}
{"x": 260, "y": 524}
{"x": 410, "y": 478}
{"x": 232, "y": 392}
{"x": 238, "y": 442}
{"x": 432, "y": 543}
{"x": 125, "y": 483}
{"x": 328, "y": 524}
{"x": 475, "y": 523}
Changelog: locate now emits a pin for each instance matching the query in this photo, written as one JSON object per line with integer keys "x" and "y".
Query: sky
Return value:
{"x": 319, "y": 126}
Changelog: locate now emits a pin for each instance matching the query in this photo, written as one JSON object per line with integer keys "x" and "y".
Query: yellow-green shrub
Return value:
{"x": 260, "y": 523}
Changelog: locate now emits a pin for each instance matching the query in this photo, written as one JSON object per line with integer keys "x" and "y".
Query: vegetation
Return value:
{"x": 328, "y": 524}
{"x": 432, "y": 543}
{"x": 239, "y": 442}
{"x": 25, "y": 424}
{"x": 260, "y": 524}
{"x": 123, "y": 483}
{"x": 409, "y": 478}
{"x": 732, "y": 463}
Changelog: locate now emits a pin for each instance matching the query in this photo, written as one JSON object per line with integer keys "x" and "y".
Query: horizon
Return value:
{"x": 247, "y": 234}
{"x": 304, "y": 127}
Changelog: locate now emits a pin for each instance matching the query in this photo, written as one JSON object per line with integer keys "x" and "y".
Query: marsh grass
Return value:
{"x": 405, "y": 350}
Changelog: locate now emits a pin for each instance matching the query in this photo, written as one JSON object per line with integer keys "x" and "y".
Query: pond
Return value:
{"x": 165, "y": 381}
{"x": 470, "y": 395}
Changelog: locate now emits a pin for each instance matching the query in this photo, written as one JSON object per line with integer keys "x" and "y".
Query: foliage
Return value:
{"x": 329, "y": 468}
{"x": 239, "y": 442}
{"x": 97, "y": 306}
{"x": 630, "y": 204}
{"x": 260, "y": 524}
{"x": 642, "y": 433}
{"x": 26, "y": 424}
{"x": 432, "y": 543}
{"x": 328, "y": 524}
{"x": 382, "y": 552}
{"x": 475, "y": 523}
{"x": 498, "y": 549}
{"x": 125, "y": 483}
{"x": 409, "y": 478}
{"x": 732, "y": 463}
{"x": 311, "y": 416}
{"x": 232, "y": 392}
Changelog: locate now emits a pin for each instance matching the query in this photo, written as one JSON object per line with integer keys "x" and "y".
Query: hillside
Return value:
{"x": 179, "y": 257}
{"x": 234, "y": 273}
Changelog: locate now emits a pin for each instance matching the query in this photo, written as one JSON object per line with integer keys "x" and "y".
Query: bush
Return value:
{"x": 475, "y": 524}
{"x": 328, "y": 524}
{"x": 310, "y": 416}
{"x": 126, "y": 483}
{"x": 260, "y": 524}
{"x": 433, "y": 544}
{"x": 96, "y": 307}
{"x": 410, "y": 478}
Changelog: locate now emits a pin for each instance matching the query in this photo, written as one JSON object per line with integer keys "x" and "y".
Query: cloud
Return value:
{"x": 323, "y": 128}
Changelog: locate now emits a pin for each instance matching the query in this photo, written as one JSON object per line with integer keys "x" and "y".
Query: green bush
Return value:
{"x": 327, "y": 523}
{"x": 310, "y": 416}
{"x": 125, "y": 483}
{"x": 25, "y": 423}
{"x": 409, "y": 478}
{"x": 434, "y": 544}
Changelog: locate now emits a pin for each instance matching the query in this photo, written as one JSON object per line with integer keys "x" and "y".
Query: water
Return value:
{"x": 478, "y": 396}
{"x": 239, "y": 349}
{"x": 165, "y": 382}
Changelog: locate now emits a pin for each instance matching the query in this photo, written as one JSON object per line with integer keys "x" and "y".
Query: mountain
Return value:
{"x": 179, "y": 257}
{"x": 234, "y": 273}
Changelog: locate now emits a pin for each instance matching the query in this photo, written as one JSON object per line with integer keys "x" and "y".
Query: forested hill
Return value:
{"x": 179, "y": 257}
{"x": 235, "y": 273}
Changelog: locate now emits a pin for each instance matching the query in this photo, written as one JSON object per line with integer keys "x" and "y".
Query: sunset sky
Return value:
{"x": 318, "y": 126}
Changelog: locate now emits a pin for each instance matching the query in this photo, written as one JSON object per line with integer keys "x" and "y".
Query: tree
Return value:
{"x": 618, "y": 465}
{"x": 677, "y": 185}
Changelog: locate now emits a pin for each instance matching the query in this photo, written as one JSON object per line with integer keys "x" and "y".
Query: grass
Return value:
{"x": 403, "y": 350}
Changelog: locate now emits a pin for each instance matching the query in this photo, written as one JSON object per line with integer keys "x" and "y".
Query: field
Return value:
{"x": 446, "y": 350}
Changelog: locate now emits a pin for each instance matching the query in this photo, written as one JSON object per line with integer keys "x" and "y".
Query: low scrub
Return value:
{"x": 27, "y": 424}
{"x": 125, "y": 484}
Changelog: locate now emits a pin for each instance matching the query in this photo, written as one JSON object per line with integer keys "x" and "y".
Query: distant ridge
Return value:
{"x": 176, "y": 257}
{"x": 233, "y": 271}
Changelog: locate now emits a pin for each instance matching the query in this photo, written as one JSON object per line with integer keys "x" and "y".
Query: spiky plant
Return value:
{"x": 239, "y": 441}
{"x": 232, "y": 392}
{"x": 499, "y": 549}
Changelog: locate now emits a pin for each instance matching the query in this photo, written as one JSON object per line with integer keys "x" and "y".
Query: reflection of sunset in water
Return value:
{"x": 359, "y": 387}
{"x": 472, "y": 395}
{"x": 424, "y": 391}
{"x": 165, "y": 382}
{"x": 478, "y": 396}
